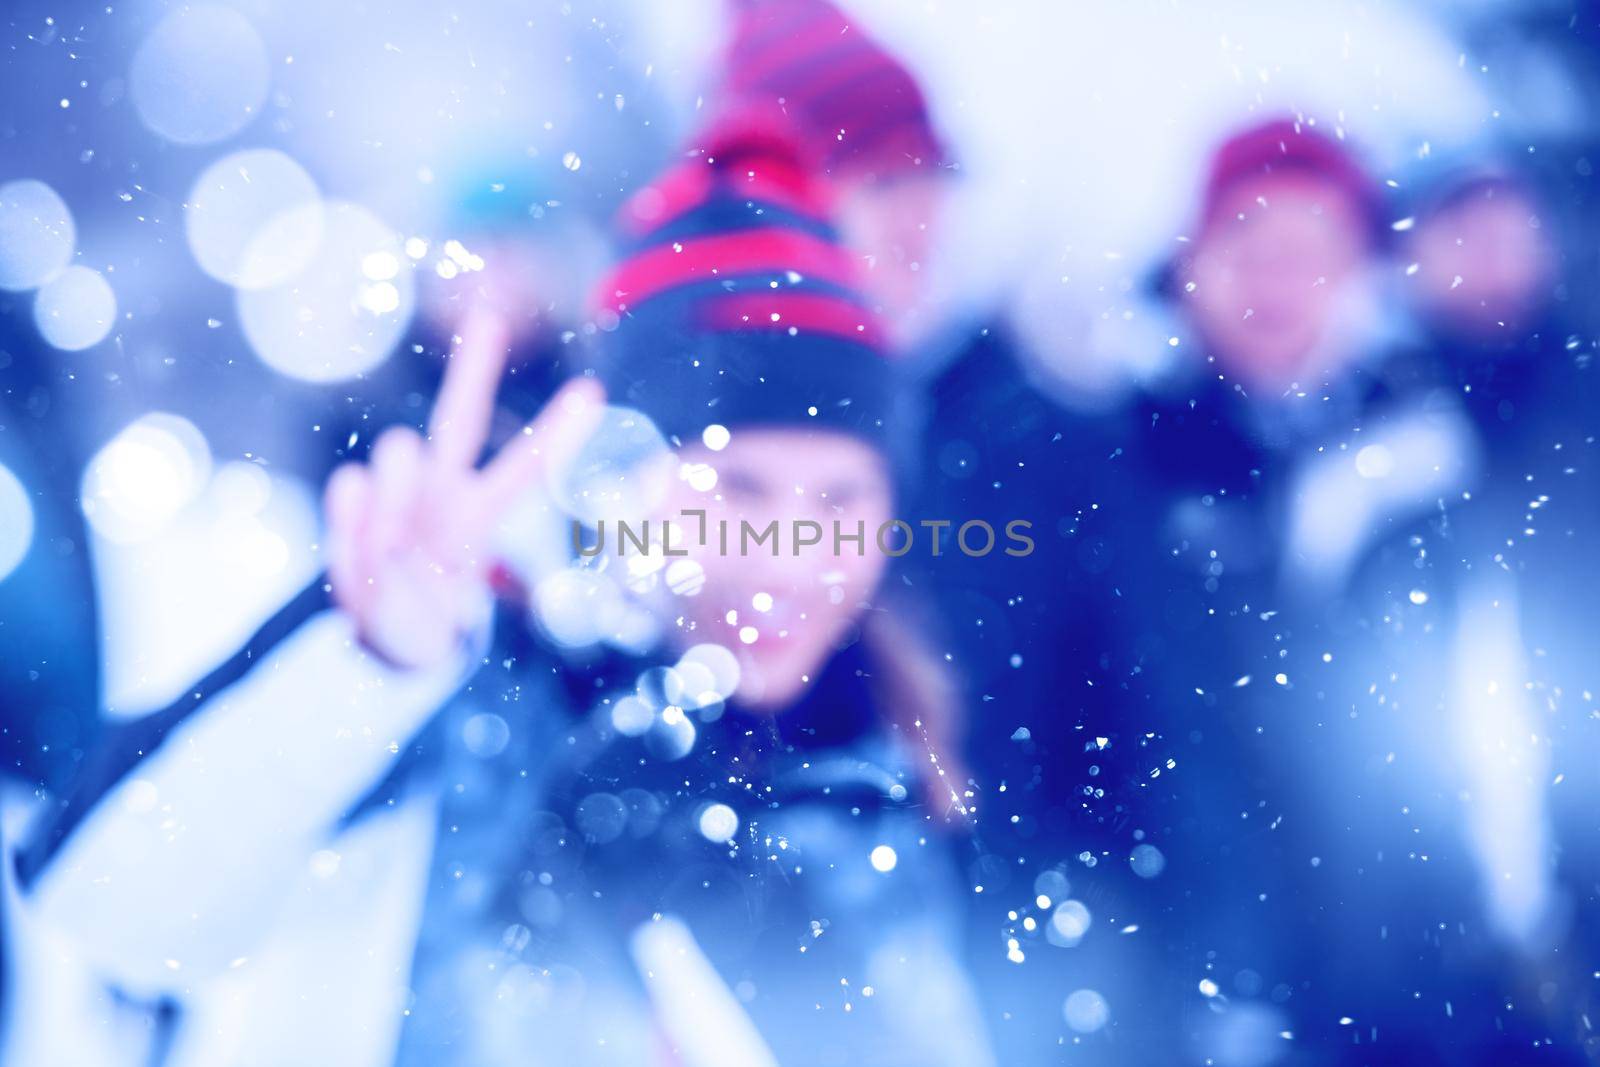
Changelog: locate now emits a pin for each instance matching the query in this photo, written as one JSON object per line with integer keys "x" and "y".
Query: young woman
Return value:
{"x": 721, "y": 851}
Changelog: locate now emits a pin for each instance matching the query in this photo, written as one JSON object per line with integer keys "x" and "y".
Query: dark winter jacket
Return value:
{"x": 795, "y": 849}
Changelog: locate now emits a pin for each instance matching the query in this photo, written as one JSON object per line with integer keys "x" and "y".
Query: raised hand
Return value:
{"x": 409, "y": 532}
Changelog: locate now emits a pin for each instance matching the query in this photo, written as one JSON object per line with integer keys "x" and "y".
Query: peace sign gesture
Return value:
{"x": 409, "y": 532}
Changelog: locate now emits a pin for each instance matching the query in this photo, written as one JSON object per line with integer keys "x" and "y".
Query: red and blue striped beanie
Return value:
{"x": 859, "y": 108}
{"x": 735, "y": 303}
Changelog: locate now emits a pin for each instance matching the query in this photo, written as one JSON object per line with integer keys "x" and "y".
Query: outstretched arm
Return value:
{"x": 202, "y": 816}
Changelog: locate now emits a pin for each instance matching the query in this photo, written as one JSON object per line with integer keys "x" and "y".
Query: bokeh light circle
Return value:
{"x": 685, "y": 577}
{"x": 254, "y": 219}
{"x": 718, "y": 823}
{"x": 671, "y": 735}
{"x": 573, "y": 604}
{"x": 601, "y": 817}
{"x": 37, "y": 234}
{"x": 343, "y": 314}
{"x": 1069, "y": 923}
{"x": 486, "y": 735}
{"x": 713, "y": 662}
{"x": 622, "y": 472}
{"x": 200, "y": 76}
{"x": 144, "y": 476}
{"x": 716, "y": 437}
{"x": 631, "y": 717}
{"x": 1051, "y": 885}
{"x": 699, "y": 684}
{"x": 1147, "y": 861}
{"x": 1086, "y": 1011}
{"x": 660, "y": 688}
{"x": 76, "y": 309}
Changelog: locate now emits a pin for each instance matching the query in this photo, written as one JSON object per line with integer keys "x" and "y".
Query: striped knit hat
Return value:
{"x": 858, "y": 108}
{"x": 734, "y": 302}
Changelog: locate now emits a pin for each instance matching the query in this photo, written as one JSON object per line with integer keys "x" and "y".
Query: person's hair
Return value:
{"x": 919, "y": 695}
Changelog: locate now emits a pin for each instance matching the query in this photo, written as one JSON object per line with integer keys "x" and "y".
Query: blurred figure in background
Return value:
{"x": 1309, "y": 607}
{"x": 1490, "y": 261}
{"x": 1162, "y": 534}
{"x": 1252, "y": 518}
{"x": 863, "y": 115}
{"x": 1482, "y": 275}
{"x": 1486, "y": 266}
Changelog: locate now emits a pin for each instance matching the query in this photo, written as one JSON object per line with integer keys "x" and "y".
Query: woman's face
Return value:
{"x": 783, "y": 615}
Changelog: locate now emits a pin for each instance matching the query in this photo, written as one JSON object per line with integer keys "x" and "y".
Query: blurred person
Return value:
{"x": 1485, "y": 267}
{"x": 1076, "y": 661}
{"x": 1300, "y": 638}
{"x": 749, "y": 838}
{"x": 1482, "y": 275}
{"x": 861, "y": 112}
{"x": 183, "y": 867}
{"x": 1214, "y": 700}
{"x": 1492, "y": 261}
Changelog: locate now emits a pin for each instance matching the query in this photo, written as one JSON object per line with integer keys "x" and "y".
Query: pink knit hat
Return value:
{"x": 859, "y": 108}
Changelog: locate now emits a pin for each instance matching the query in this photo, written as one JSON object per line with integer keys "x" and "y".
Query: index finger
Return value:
{"x": 459, "y": 422}
{"x": 551, "y": 440}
